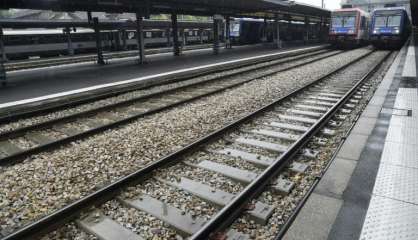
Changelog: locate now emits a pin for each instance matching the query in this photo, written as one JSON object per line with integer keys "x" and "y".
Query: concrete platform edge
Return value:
{"x": 84, "y": 93}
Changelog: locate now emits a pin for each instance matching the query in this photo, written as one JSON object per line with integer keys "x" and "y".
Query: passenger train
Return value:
{"x": 349, "y": 27}
{"x": 22, "y": 44}
{"x": 25, "y": 43}
{"x": 390, "y": 27}
{"x": 251, "y": 31}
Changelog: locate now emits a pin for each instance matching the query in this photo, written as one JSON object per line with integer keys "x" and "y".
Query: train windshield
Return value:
{"x": 344, "y": 21}
{"x": 381, "y": 21}
{"x": 337, "y": 21}
{"x": 349, "y": 21}
{"x": 394, "y": 21}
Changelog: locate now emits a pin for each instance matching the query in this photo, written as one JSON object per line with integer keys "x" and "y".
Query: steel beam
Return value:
{"x": 140, "y": 37}
{"x": 176, "y": 45}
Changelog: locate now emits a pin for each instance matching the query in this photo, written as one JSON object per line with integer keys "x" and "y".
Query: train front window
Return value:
{"x": 394, "y": 21}
{"x": 349, "y": 21}
{"x": 337, "y": 21}
{"x": 380, "y": 21}
{"x": 344, "y": 21}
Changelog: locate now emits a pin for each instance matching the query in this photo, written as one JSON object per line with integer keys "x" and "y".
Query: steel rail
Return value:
{"x": 9, "y": 115}
{"x": 19, "y": 156}
{"x": 292, "y": 217}
{"x": 61, "y": 216}
{"x": 234, "y": 209}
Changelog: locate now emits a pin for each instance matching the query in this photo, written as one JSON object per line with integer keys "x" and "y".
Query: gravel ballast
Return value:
{"x": 51, "y": 180}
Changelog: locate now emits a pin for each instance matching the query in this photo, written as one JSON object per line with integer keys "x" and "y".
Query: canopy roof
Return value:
{"x": 192, "y": 7}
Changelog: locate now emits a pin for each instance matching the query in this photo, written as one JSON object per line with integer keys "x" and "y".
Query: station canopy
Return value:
{"x": 248, "y": 8}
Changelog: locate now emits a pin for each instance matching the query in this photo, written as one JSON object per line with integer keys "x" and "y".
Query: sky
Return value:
{"x": 330, "y": 4}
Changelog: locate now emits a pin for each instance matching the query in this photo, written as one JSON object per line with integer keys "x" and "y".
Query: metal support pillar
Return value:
{"x": 99, "y": 49}
{"x": 3, "y": 59}
{"x": 124, "y": 37}
{"x": 320, "y": 29}
{"x": 176, "y": 45}
{"x": 215, "y": 36}
{"x": 228, "y": 44}
{"x": 307, "y": 30}
{"x": 201, "y": 36}
{"x": 70, "y": 48}
{"x": 168, "y": 35}
{"x": 183, "y": 38}
{"x": 140, "y": 38}
{"x": 278, "y": 41}
{"x": 89, "y": 17}
{"x": 264, "y": 37}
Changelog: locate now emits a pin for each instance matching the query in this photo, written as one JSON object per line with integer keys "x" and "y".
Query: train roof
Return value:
{"x": 350, "y": 10}
{"x": 389, "y": 9}
{"x": 37, "y": 31}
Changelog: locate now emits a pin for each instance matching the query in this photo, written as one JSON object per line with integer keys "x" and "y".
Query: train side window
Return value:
{"x": 148, "y": 34}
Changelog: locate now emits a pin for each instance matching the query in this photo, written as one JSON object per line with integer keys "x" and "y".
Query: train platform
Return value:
{"x": 32, "y": 85}
{"x": 370, "y": 190}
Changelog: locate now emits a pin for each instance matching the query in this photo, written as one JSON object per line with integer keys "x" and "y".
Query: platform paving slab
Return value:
{"x": 319, "y": 209}
{"x": 398, "y": 154}
{"x": 372, "y": 111}
{"x": 353, "y": 147}
{"x": 364, "y": 125}
{"x": 390, "y": 219}
{"x": 335, "y": 180}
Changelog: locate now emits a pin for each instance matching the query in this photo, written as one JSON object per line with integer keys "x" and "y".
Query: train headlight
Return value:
{"x": 374, "y": 31}
{"x": 396, "y": 31}
{"x": 351, "y": 31}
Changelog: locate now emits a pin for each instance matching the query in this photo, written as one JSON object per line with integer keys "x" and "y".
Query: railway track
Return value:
{"x": 37, "y": 136}
{"x": 220, "y": 177}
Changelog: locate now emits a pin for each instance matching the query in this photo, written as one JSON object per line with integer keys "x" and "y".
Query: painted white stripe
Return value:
{"x": 101, "y": 86}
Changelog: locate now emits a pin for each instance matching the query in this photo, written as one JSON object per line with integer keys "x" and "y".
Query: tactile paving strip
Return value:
{"x": 396, "y": 182}
{"x": 402, "y": 134}
{"x": 407, "y": 98}
{"x": 389, "y": 219}
{"x": 400, "y": 154}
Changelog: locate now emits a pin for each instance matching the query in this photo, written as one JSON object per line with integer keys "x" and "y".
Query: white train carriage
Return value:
{"x": 22, "y": 44}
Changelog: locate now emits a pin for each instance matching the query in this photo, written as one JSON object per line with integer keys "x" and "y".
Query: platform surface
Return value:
{"x": 370, "y": 191}
{"x": 27, "y": 84}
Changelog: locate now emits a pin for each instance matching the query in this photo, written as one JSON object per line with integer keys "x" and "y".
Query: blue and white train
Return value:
{"x": 390, "y": 27}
